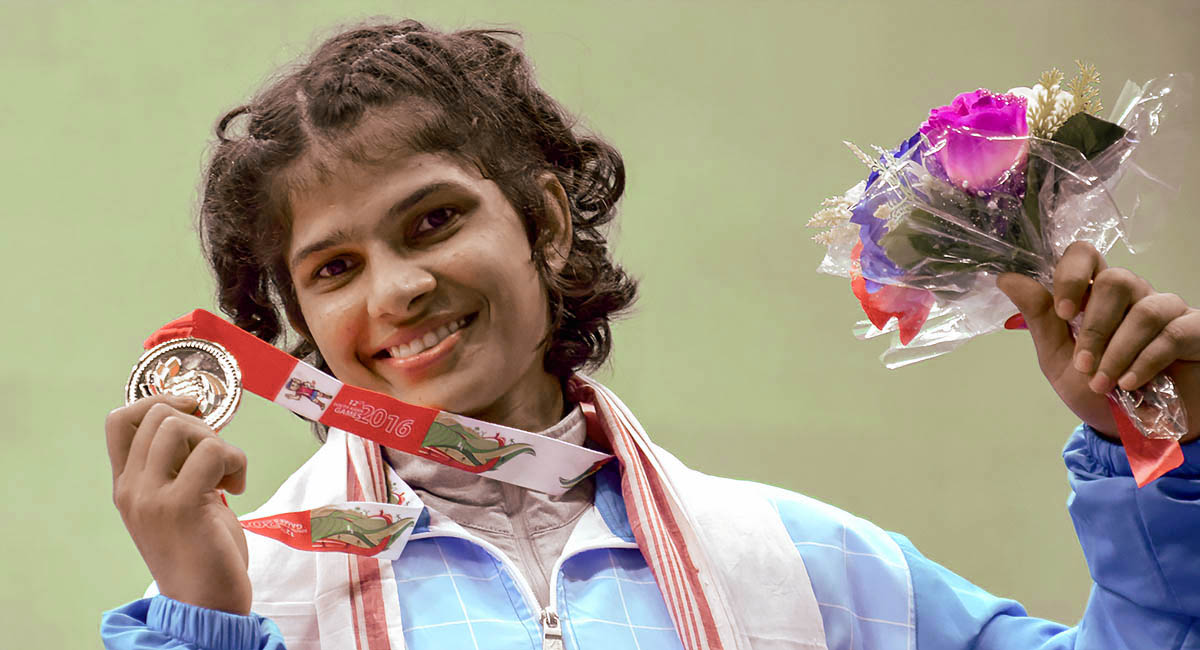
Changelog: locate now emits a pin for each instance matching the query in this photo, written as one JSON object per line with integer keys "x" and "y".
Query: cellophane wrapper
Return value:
{"x": 954, "y": 243}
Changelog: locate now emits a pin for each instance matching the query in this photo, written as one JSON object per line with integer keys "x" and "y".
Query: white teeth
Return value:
{"x": 416, "y": 346}
{"x": 400, "y": 351}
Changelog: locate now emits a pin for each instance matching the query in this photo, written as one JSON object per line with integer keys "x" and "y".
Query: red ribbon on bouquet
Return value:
{"x": 1149, "y": 458}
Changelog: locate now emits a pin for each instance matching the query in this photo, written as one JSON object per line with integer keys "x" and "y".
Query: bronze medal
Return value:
{"x": 193, "y": 367}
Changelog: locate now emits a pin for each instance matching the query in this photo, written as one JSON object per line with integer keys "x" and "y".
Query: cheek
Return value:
{"x": 506, "y": 277}
{"x": 526, "y": 301}
{"x": 331, "y": 321}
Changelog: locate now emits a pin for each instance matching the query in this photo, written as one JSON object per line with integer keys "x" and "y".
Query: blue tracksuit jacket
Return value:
{"x": 875, "y": 591}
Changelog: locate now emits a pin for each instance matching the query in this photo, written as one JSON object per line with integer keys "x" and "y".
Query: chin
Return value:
{"x": 451, "y": 392}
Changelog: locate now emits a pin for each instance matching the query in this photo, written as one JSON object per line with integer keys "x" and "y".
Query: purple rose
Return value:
{"x": 979, "y": 140}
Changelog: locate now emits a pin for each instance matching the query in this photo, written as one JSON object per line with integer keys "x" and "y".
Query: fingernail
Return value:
{"x": 1100, "y": 383}
{"x": 1065, "y": 309}
{"x": 1128, "y": 381}
{"x": 1016, "y": 322}
{"x": 1084, "y": 361}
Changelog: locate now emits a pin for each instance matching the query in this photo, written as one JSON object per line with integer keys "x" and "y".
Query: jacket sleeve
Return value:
{"x": 1141, "y": 547}
{"x": 160, "y": 623}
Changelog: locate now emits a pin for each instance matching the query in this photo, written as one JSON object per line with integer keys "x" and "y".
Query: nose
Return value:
{"x": 399, "y": 287}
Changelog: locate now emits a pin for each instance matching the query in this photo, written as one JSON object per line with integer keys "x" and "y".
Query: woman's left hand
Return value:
{"x": 1129, "y": 334}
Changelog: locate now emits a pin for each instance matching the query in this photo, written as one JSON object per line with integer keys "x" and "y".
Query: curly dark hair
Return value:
{"x": 474, "y": 96}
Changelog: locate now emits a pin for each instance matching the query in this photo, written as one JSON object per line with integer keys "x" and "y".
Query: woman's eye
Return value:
{"x": 435, "y": 220}
{"x": 333, "y": 268}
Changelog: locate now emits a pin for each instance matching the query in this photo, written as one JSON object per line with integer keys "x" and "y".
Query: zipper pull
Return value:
{"x": 551, "y": 632}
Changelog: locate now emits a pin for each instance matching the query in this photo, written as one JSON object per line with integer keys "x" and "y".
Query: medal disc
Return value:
{"x": 192, "y": 367}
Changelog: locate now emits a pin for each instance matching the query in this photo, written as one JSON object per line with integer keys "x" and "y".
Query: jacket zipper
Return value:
{"x": 551, "y": 631}
{"x": 552, "y": 637}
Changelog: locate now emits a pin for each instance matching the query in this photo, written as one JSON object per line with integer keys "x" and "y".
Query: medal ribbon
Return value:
{"x": 498, "y": 452}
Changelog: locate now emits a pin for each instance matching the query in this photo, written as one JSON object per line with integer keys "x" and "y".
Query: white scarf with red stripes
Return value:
{"x": 722, "y": 593}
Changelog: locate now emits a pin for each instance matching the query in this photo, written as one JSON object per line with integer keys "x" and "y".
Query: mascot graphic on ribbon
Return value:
{"x": 298, "y": 389}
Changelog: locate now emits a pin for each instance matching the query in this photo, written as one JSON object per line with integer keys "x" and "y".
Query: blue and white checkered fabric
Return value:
{"x": 858, "y": 574}
{"x": 455, "y": 594}
{"x": 608, "y": 598}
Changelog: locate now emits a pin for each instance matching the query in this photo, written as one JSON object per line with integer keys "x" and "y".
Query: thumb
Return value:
{"x": 1050, "y": 333}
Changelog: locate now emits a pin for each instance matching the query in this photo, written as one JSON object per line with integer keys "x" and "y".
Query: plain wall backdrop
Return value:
{"x": 739, "y": 357}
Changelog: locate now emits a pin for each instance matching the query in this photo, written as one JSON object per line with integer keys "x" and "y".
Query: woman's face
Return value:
{"x": 415, "y": 280}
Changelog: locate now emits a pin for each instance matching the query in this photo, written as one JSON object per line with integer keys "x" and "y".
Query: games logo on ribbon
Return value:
{"x": 376, "y": 417}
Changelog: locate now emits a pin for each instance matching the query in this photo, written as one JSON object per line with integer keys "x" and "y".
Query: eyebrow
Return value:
{"x": 341, "y": 235}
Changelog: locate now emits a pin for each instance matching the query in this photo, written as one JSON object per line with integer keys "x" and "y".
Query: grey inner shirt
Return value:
{"x": 529, "y": 527}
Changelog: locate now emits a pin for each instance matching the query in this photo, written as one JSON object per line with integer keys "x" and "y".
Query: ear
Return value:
{"x": 558, "y": 211}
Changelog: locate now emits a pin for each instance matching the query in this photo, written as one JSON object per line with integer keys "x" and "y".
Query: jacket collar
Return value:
{"x": 606, "y": 520}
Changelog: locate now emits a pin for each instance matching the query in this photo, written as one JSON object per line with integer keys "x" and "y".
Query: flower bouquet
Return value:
{"x": 996, "y": 183}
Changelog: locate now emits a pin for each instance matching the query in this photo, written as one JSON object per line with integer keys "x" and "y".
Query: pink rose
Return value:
{"x": 979, "y": 139}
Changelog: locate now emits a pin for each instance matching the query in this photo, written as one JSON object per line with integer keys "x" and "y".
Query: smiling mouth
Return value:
{"x": 432, "y": 338}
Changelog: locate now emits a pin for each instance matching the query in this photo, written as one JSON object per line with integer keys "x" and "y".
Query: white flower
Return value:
{"x": 841, "y": 235}
{"x": 1043, "y": 117}
{"x": 1063, "y": 101}
{"x": 837, "y": 209}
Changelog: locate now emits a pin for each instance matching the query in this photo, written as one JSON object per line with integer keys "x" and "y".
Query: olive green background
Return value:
{"x": 739, "y": 357}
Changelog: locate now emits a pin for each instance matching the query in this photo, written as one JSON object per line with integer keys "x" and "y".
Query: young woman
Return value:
{"x": 428, "y": 221}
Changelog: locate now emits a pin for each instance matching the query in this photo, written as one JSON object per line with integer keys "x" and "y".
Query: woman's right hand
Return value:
{"x": 168, "y": 467}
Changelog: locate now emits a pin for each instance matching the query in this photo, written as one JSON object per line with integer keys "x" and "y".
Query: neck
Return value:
{"x": 537, "y": 408}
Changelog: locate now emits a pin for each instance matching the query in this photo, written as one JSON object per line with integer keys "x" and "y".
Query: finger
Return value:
{"x": 1178, "y": 340}
{"x": 1140, "y": 326}
{"x": 1050, "y": 333}
{"x": 1113, "y": 291}
{"x": 213, "y": 465}
{"x": 1072, "y": 275}
{"x": 175, "y": 439}
{"x": 122, "y": 424}
{"x": 144, "y": 436}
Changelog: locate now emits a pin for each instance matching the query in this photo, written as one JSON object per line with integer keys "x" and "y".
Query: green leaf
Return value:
{"x": 369, "y": 530}
{"x": 475, "y": 449}
{"x": 1090, "y": 135}
{"x": 441, "y": 435}
{"x": 905, "y": 243}
{"x": 1034, "y": 174}
{"x": 941, "y": 254}
{"x": 330, "y": 525}
{"x": 512, "y": 451}
{"x": 405, "y": 524}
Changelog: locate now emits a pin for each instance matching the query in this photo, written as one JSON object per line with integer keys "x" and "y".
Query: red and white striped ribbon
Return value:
{"x": 660, "y": 525}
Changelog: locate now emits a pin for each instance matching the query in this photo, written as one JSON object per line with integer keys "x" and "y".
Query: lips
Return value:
{"x": 415, "y": 345}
